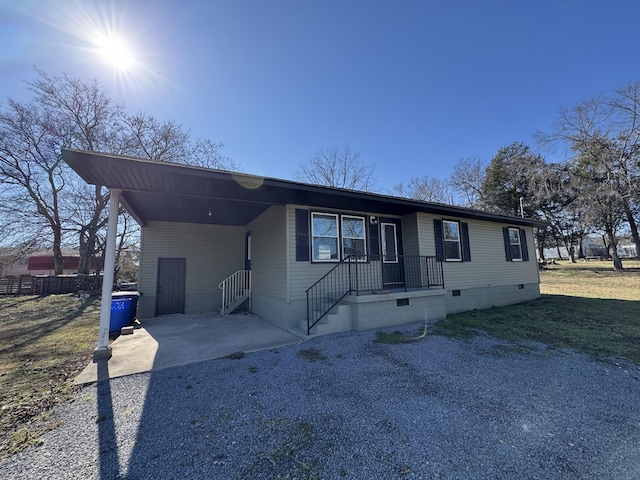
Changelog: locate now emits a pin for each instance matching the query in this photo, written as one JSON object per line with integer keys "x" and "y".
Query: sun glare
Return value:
{"x": 102, "y": 40}
{"x": 115, "y": 52}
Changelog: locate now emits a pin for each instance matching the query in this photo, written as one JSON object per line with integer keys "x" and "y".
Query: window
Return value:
{"x": 324, "y": 228}
{"x": 514, "y": 244}
{"x": 353, "y": 237}
{"x": 389, "y": 243}
{"x": 452, "y": 240}
{"x": 451, "y": 236}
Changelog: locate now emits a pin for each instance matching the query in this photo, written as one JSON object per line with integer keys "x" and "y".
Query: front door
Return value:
{"x": 171, "y": 286}
{"x": 392, "y": 266}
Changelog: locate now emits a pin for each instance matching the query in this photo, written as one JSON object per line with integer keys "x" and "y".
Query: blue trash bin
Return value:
{"x": 120, "y": 314}
{"x": 133, "y": 296}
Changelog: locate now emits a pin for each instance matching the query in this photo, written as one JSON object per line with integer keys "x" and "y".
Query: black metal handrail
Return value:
{"x": 325, "y": 294}
{"x": 361, "y": 274}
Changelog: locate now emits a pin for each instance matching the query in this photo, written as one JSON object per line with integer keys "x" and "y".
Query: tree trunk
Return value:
{"x": 580, "y": 246}
{"x": 89, "y": 233}
{"x": 87, "y": 250}
{"x": 58, "y": 262}
{"x": 613, "y": 250}
{"x": 540, "y": 238}
{"x": 633, "y": 226}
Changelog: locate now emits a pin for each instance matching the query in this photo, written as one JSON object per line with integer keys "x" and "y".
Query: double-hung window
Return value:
{"x": 514, "y": 244}
{"x": 452, "y": 240}
{"x": 354, "y": 237}
{"x": 324, "y": 229}
{"x": 451, "y": 237}
{"x": 337, "y": 236}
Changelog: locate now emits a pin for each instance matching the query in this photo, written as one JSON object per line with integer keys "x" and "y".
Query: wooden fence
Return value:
{"x": 44, "y": 285}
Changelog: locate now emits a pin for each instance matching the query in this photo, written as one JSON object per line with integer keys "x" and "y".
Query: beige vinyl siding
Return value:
{"x": 212, "y": 252}
{"x": 304, "y": 274}
{"x": 410, "y": 234}
{"x": 269, "y": 252}
{"x": 301, "y": 274}
{"x": 488, "y": 266}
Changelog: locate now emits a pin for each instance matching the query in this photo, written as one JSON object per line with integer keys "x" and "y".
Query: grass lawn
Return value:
{"x": 587, "y": 306}
{"x": 44, "y": 343}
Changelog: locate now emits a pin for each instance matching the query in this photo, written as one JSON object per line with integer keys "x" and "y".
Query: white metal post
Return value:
{"x": 103, "y": 351}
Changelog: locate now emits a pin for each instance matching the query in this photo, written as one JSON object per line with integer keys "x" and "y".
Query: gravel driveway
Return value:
{"x": 436, "y": 408}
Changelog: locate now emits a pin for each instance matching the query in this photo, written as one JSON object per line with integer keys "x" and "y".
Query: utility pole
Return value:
{"x": 521, "y": 207}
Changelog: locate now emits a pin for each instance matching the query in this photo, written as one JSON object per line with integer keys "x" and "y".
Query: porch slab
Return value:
{"x": 175, "y": 340}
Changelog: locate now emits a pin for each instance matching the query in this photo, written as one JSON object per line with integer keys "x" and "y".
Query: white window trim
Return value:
{"x": 517, "y": 230}
{"x": 384, "y": 243}
{"x": 364, "y": 231}
{"x": 459, "y": 241}
{"x": 337, "y": 237}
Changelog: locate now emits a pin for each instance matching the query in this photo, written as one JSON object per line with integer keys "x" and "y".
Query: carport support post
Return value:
{"x": 103, "y": 351}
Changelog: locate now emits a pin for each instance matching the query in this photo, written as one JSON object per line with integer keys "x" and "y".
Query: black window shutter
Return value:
{"x": 507, "y": 244}
{"x": 466, "y": 249}
{"x": 302, "y": 235}
{"x": 523, "y": 244}
{"x": 374, "y": 239}
{"x": 437, "y": 228}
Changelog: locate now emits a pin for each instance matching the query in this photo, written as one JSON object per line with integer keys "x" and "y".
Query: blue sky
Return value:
{"x": 412, "y": 85}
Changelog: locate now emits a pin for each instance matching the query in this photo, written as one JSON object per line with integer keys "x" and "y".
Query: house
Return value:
{"x": 593, "y": 246}
{"x": 315, "y": 258}
{"x": 37, "y": 263}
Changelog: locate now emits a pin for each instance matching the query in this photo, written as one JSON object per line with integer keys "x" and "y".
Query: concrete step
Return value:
{"x": 236, "y": 304}
{"x": 339, "y": 320}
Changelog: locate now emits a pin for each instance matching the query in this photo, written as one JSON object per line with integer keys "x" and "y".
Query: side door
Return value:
{"x": 391, "y": 248}
{"x": 170, "y": 292}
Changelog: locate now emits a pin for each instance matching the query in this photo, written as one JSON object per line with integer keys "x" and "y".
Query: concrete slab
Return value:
{"x": 174, "y": 340}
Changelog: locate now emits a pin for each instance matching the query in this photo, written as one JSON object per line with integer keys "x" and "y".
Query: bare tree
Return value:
{"x": 338, "y": 167}
{"x": 427, "y": 189}
{"x": 467, "y": 179}
{"x": 604, "y": 133}
{"x": 205, "y": 153}
{"x": 38, "y": 188}
{"x": 147, "y": 137}
{"x": 31, "y": 170}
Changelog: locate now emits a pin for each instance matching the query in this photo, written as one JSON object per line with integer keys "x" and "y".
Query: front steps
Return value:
{"x": 337, "y": 320}
{"x": 233, "y": 306}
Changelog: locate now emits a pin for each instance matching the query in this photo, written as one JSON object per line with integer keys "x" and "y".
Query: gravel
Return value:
{"x": 436, "y": 408}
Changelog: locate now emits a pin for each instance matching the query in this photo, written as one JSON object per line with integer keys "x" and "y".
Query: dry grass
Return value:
{"x": 593, "y": 279}
{"x": 44, "y": 343}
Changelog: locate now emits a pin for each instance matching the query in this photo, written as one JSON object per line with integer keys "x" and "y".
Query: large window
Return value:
{"x": 324, "y": 228}
{"x": 338, "y": 236}
{"x": 451, "y": 236}
{"x": 514, "y": 244}
{"x": 353, "y": 237}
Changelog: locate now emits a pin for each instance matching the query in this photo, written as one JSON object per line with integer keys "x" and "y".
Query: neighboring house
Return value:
{"x": 40, "y": 263}
{"x": 44, "y": 265}
{"x": 593, "y": 247}
{"x": 12, "y": 262}
{"x": 382, "y": 260}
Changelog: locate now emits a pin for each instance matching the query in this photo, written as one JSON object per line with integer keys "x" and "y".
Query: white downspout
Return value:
{"x": 103, "y": 350}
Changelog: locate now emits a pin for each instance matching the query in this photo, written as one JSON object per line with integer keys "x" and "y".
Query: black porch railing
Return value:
{"x": 371, "y": 274}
